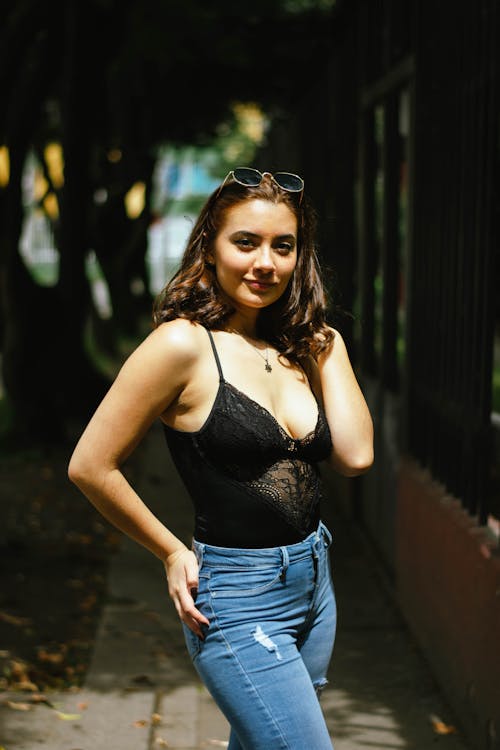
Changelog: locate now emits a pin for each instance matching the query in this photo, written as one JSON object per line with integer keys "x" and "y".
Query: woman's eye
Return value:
{"x": 285, "y": 248}
{"x": 244, "y": 242}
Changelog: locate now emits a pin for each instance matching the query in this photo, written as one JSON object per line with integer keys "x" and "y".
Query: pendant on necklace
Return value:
{"x": 268, "y": 367}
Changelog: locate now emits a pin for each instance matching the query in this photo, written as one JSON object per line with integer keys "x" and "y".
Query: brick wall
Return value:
{"x": 448, "y": 582}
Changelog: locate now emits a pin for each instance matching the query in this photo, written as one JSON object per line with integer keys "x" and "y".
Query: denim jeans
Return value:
{"x": 264, "y": 658}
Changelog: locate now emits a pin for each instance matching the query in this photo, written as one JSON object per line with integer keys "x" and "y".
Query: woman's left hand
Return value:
{"x": 181, "y": 567}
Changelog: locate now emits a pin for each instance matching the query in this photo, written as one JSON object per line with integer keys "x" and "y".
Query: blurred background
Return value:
{"x": 118, "y": 119}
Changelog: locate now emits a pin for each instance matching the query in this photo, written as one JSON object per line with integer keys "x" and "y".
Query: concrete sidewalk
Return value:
{"x": 142, "y": 693}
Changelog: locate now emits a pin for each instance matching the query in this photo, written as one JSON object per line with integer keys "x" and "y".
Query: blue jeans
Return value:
{"x": 272, "y": 617}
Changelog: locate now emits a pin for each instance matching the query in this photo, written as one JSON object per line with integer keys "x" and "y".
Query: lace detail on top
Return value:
{"x": 252, "y": 484}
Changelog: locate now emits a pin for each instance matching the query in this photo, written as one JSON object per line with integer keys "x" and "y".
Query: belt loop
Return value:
{"x": 316, "y": 548}
{"x": 327, "y": 536}
{"x": 198, "y": 549}
{"x": 317, "y": 541}
{"x": 285, "y": 560}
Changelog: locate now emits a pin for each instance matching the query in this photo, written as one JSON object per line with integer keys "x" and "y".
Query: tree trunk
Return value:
{"x": 46, "y": 372}
{"x": 121, "y": 245}
{"x": 81, "y": 385}
{"x": 26, "y": 307}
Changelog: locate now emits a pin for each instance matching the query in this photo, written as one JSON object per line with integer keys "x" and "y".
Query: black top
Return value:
{"x": 252, "y": 485}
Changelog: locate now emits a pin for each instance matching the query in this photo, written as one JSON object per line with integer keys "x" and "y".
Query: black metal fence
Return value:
{"x": 428, "y": 192}
{"x": 452, "y": 310}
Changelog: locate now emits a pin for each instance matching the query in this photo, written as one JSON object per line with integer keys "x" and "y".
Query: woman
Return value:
{"x": 253, "y": 389}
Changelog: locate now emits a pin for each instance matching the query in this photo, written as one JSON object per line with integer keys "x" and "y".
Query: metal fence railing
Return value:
{"x": 452, "y": 315}
{"x": 449, "y": 68}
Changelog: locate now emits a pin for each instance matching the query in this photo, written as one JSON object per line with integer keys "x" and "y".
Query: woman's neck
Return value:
{"x": 244, "y": 324}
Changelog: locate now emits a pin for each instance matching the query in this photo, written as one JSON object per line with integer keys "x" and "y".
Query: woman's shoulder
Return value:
{"x": 180, "y": 332}
{"x": 180, "y": 338}
{"x": 175, "y": 345}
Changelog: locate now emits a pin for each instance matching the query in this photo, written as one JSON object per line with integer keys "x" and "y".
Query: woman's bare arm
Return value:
{"x": 147, "y": 384}
{"x": 348, "y": 417}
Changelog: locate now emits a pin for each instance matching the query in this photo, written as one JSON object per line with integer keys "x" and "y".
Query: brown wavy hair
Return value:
{"x": 296, "y": 323}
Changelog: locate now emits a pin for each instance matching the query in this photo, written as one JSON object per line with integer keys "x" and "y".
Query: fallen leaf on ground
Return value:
{"x": 50, "y": 657}
{"x": 26, "y": 684}
{"x": 14, "y": 620}
{"x": 161, "y": 742}
{"x": 19, "y": 670}
{"x": 440, "y": 727}
{"x": 17, "y": 706}
{"x": 156, "y": 719}
{"x": 82, "y": 706}
{"x": 140, "y": 723}
{"x": 68, "y": 717}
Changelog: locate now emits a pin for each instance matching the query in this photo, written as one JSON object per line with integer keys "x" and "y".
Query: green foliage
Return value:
{"x": 238, "y": 137}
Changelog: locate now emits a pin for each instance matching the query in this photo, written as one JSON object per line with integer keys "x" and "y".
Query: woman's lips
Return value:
{"x": 260, "y": 286}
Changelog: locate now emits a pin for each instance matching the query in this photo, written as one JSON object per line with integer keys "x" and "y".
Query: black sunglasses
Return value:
{"x": 250, "y": 177}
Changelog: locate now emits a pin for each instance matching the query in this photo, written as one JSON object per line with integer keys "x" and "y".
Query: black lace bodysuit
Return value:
{"x": 252, "y": 484}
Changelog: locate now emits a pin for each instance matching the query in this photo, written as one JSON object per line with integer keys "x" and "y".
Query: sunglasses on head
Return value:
{"x": 250, "y": 177}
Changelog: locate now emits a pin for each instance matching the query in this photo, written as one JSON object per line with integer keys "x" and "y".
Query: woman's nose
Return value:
{"x": 264, "y": 260}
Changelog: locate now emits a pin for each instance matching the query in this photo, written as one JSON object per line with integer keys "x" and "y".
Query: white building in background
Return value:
{"x": 166, "y": 242}
{"x": 180, "y": 176}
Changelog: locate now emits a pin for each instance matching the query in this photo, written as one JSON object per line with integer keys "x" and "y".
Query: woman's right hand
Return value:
{"x": 181, "y": 568}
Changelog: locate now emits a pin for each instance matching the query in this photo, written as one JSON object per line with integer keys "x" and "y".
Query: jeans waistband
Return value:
{"x": 241, "y": 556}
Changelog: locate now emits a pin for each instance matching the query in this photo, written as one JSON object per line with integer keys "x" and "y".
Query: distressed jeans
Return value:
{"x": 272, "y": 616}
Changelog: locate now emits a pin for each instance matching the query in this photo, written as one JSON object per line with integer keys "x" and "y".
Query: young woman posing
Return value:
{"x": 253, "y": 389}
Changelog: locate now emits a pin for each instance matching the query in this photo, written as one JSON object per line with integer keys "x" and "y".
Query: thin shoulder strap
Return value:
{"x": 221, "y": 376}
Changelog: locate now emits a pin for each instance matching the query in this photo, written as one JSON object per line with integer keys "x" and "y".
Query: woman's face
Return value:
{"x": 255, "y": 252}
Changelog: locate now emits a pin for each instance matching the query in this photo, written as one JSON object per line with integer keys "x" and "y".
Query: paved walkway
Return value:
{"x": 142, "y": 692}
